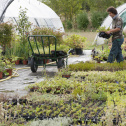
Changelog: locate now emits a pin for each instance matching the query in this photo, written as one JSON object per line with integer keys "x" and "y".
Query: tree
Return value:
{"x": 66, "y": 8}
{"x": 23, "y": 24}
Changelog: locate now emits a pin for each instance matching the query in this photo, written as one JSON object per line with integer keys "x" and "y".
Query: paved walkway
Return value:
{"x": 16, "y": 86}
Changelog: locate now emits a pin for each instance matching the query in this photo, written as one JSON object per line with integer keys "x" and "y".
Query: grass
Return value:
{"x": 89, "y": 35}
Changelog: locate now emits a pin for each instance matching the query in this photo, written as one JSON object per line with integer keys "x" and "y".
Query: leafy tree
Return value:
{"x": 66, "y": 8}
{"x": 6, "y": 35}
{"x": 23, "y": 24}
{"x": 82, "y": 20}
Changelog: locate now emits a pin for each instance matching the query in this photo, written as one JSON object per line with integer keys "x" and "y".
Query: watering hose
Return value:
{"x": 15, "y": 74}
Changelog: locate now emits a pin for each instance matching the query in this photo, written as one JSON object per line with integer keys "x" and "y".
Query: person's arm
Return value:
{"x": 117, "y": 28}
{"x": 113, "y": 30}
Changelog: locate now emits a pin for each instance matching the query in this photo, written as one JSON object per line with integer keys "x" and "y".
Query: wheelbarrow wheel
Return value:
{"x": 61, "y": 63}
{"x": 34, "y": 67}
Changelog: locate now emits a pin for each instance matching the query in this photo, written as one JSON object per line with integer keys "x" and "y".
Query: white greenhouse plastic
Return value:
{"x": 39, "y": 14}
{"x": 108, "y": 23}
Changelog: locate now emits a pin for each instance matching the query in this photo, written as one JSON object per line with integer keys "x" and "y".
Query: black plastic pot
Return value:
{"x": 14, "y": 101}
{"x": 79, "y": 51}
{"x": 115, "y": 121}
{"x": 23, "y": 101}
{"x": 72, "y": 51}
{"x": 105, "y": 58}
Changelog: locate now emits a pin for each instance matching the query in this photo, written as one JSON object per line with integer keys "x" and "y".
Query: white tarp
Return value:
{"x": 38, "y": 13}
{"x": 108, "y": 23}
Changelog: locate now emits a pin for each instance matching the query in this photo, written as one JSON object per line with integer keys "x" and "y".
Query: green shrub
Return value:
{"x": 75, "y": 41}
{"x": 48, "y": 31}
{"x": 6, "y": 34}
{"x": 97, "y": 18}
{"x": 69, "y": 24}
{"x": 82, "y": 21}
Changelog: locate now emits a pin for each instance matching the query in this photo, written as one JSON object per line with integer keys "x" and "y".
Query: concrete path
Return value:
{"x": 16, "y": 86}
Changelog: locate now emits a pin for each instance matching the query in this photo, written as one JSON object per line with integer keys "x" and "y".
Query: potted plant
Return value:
{"x": 15, "y": 59}
{"x": 25, "y": 54}
{"x": 2, "y": 68}
{"x": 9, "y": 67}
{"x": 66, "y": 73}
{"x": 76, "y": 42}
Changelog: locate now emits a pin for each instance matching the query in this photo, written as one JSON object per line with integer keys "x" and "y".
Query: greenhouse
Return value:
{"x": 39, "y": 14}
{"x": 108, "y": 22}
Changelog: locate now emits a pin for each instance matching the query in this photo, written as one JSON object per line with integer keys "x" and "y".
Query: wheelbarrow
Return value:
{"x": 39, "y": 59}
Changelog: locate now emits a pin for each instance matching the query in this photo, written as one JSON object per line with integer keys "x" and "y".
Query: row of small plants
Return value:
{"x": 93, "y": 98}
{"x": 93, "y": 66}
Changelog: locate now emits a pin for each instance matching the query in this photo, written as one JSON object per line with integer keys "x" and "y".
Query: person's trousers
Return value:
{"x": 116, "y": 51}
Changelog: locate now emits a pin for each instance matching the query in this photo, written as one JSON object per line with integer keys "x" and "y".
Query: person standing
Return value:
{"x": 117, "y": 38}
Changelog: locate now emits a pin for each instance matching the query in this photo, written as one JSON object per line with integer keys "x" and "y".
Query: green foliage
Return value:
{"x": 23, "y": 25}
{"x": 100, "y": 29}
{"x": 60, "y": 47}
{"x": 17, "y": 49}
{"x": 69, "y": 24}
{"x": 2, "y": 65}
{"x": 101, "y": 95}
{"x": 48, "y": 31}
{"x": 75, "y": 41}
{"x": 66, "y": 8}
{"x": 97, "y": 17}
{"x": 82, "y": 20}
{"x": 101, "y": 5}
{"x": 6, "y": 34}
{"x": 97, "y": 67}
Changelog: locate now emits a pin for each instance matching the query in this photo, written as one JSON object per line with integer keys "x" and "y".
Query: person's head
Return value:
{"x": 112, "y": 11}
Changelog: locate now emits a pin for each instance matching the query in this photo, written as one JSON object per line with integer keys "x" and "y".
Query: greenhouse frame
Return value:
{"x": 38, "y": 13}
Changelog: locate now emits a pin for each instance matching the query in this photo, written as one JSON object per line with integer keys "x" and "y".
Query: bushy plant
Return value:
{"x": 97, "y": 17}
{"x": 69, "y": 24}
{"x": 100, "y": 29}
{"x": 75, "y": 41}
{"x": 82, "y": 20}
{"x": 61, "y": 47}
{"x": 48, "y": 31}
{"x": 23, "y": 25}
{"x": 6, "y": 34}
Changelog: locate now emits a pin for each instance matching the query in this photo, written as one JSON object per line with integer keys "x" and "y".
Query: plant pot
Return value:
{"x": 48, "y": 90}
{"x": 25, "y": 62}
{"x": 9, "y": 71}
{"x": 104, "y": 58}
{"x": 1, "y": 75}
{"x": 66, "y": 76}
{"x": 17, "y": 62}
{"x": 98, "y": 61}
{"x": 45, "y": 61}
{"x": 14, "y": 102}
{"x": 79, "y": 51}
{"x": 34, "y": 89}
{"x": 23, "y": 101}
